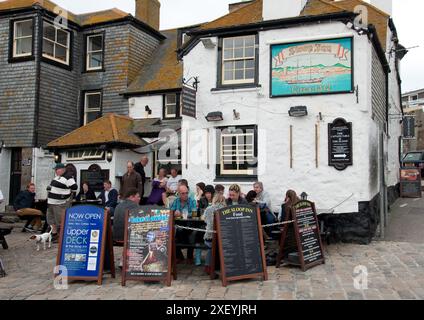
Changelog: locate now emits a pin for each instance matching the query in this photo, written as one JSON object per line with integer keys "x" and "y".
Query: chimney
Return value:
{"x": 281, "y": 9}
{"x": 237, "y": 5}
{"x": 148, "y": 11}
{"x": 384, "y": 5}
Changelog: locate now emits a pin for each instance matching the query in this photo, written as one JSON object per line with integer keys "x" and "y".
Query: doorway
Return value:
{"x": 15, "y": 174}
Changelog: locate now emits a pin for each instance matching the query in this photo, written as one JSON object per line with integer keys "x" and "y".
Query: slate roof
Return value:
{"x": 152, "y": 127}
{"x": 163, "y": 71}
{"x": 109, "y": 129}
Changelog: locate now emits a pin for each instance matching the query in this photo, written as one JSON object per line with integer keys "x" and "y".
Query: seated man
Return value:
{"x": 24, "y": 206}
{"x": 109, "y": 197}
{"x": 131, "y": 202}
{"x": 183, "y": 207}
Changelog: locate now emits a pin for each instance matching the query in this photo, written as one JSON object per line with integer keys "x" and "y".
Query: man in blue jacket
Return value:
{"x": 109, "y": 197}
{"x": 24, "y": 206}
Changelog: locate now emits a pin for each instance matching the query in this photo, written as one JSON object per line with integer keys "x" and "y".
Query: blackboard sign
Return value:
{"x": 189, "y": 102}
{"x": 410, "y": 183}
{"x": 84, "y": 237}
{"x": 308, "y": 234}
{"x": 340, "y": 144}
{"x": 240, "y": 243}
{"x": 408, "y": 125}
{"x": 300, "y": 243}
{"x": 148, "y": 240}
{"x": 94, "y": 179}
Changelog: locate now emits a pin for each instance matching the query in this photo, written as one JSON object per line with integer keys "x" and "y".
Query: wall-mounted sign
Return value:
{"x": 299, "y": 111}
{"x": 408, "y": 124}
{"x": 340, "y": 144}
{"x": 189, "y": 102}
{"x": 313, "y": 67}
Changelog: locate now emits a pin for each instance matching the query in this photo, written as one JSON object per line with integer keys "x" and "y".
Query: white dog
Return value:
{"x": 43, "y": 238}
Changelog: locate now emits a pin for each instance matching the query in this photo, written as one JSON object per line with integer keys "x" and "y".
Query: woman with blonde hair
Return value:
{"x": 218, "y": 202}
{"x": 235, "y": 197}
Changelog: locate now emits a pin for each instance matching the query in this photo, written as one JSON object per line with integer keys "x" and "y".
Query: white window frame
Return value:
{"x": 244, "y": 58}
{"x": 238, "y": 153}
{"x": 170, "y": 115}
{"x": 59, "y": 44}
{"x": 86, "y": 111}
{"x": 82, "y": 155}
{"x": 16, "y": 38}
{"x": 89, "y": 53}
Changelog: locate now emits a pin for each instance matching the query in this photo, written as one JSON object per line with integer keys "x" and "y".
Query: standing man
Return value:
{"x": 139, "y": 168}
{"x": 59, "y": 198}
{"x": 131, "y": 180}
{"x": 109, "y": 197}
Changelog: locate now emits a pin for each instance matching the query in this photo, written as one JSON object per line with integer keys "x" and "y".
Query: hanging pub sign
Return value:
{"x": 312, "y": 67}
{"x": 240, "y": 244}
{"x": 300, "y": 243}
{"x": 340, "y": 144}
{"x": 148, "y": 242}
{"x": 408, "y": 125}
{"x": 189, "y": 102}
{"x": 85, "y": 242}
{"x": 410, "y": 183}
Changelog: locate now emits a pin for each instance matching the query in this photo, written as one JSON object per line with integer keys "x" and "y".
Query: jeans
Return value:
{"x": 209, "y": 253}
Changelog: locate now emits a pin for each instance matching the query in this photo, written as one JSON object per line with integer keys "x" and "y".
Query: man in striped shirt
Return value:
{"x": 59, "y": 198}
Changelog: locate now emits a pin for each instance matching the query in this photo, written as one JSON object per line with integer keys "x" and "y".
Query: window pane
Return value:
{"x": 171, "y": 99}
{"x": 23, "y": 46}
{"x": 48, "y": 48}
{"x": 239, "y": 64}
{"x": 49, "y": 32}
{"x": 61, "y": 52}
{"x": 250, "y": 64}
{"x": 250, "y": 73}
{"x": 239, "y": 75}
{"x": 95, "y": 43}
{"x": 93, "y": 101}
{"x": 228, "y": 75}
{"x": 62, "y": 37}
{"x": 228, "y": 43}
{"x": 23, "y": 29}
{"x": 91, "y": 116}
{"x": 95, "y": 60}
{"x": 249, "y": 41}
{"x": 238, "y": 42}
{"x": 249, "y": 52}
{"x": 171, "y": 110}
{"x": 228, "y": 66}
{"x": 238, "y": 53}
{"x": 228, "y": 54}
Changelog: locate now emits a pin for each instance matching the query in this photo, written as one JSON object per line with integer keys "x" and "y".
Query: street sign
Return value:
{"x": 189, "y": 102}
{"x": 408, "y": 127}
{"x": 340, "y": 144}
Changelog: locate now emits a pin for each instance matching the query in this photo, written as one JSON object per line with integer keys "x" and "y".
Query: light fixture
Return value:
{"x": 208, "y": 43}
{"x": 109, "y": 155}
{"x": 304, "y": 196}
{"x": 299, "y": 111}
{"x": 148, "y": 110}
{"x": 57, "y": 157}
{"x": 236, "y": 115}
{"x": 215, "y": 116}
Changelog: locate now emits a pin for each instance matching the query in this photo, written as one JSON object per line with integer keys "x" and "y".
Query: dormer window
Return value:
{"x": 171, "y": 106}
{"x": 22, "y": 38}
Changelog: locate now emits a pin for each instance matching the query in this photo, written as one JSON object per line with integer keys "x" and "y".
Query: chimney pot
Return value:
{"x": 148, "y": 11}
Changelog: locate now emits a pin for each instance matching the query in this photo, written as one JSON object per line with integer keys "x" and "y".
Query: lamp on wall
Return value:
{"x": 57, "y": 157}
{"x": 214, "y": 116}
{"x": 148, "y": 110}
{"x": 109, "y": 155}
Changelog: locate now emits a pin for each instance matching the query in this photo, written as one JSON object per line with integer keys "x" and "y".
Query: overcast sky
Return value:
{"x": 407, "y": 15}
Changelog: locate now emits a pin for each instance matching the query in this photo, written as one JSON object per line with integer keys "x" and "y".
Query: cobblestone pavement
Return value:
{"x": 395, "y": 271}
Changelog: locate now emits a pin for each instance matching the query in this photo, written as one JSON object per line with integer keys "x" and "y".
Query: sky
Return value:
{"x": 176, "y": 13}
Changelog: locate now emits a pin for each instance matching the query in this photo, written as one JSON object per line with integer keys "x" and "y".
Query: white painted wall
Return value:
{"x": 5, "y": 159}
{"x": 43, "y": 171}
{"x": 137, "y": 107}
{"x": 325, "y": 185}
{"x": 280, "y": 9}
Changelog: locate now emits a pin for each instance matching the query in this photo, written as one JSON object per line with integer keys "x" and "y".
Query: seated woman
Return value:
{"x": 158, "y": 193}
{"x": 235, "y": 197}
{"x": 250, "y": 197}
{"x": 206, "y": 200}
{"x": 290, "y": 199}
{"x": 86, "y": 193}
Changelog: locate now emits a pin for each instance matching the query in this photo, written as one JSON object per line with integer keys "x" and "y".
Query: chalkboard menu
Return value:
{"x": 340, "y": 144}
{"x": 306, "y": 225}
{"x": 410, "y": 183}
{"x": 189, "y": 102}
{"x": 83, "y": 241}
{"x": 302, "y": 225}
{"x": 240, "y": 242}
{"x": 148, "y": 245}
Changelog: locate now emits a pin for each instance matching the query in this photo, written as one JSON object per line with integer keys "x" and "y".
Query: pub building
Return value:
{"x": 299, "y": 95}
